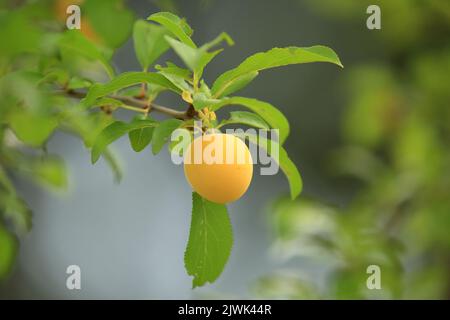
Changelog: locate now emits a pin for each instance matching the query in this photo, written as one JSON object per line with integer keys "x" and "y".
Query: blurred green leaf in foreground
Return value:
{"x": 396, "y": 149}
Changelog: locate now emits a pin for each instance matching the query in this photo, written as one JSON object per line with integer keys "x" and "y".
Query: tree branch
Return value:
{"x": 182, "y": 115}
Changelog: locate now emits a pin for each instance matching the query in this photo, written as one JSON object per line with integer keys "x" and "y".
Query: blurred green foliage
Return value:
{"x": 38, "y": 56}
{"x": 396, "y": 147}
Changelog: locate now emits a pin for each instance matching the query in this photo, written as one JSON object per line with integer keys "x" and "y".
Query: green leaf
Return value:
{"x": 5, "y": 182}
{"x": 8, "y": 251}
{"x": 247, "y": 118}
{"x": 149, "y": 42}
{"x": 265, "y": 110}
{"x": 74, "y": 43}
{"x": 178, "y": 76}
{"x": 51, "y": 171}
{"x": 60, "y": 77}
{"x": 173, "y": 69}
{"x": 32, "y": 129}
{"x": 78, "y": 83}
{"x": 86, "y": 125}
{"x": 178, "y": 27}
{"x": 197, "y": 58}
{"x": 110, "y": 19}
{"x": 107, "y": 101}
{"x": 292, "y": 174}
{"x": 275, "y": 57}
{"x": 22, "y": 88}
{"x": 203, "y": 60}
{"x": 17, "y": 212}
{"x": 238, "y": 83}
{"x": 20, "y": 34}
{"x": 210, "y": 241}
{"x": 113, "y": 132}
{"x": 114, "y": 163}
{"x": 221, "y": 37}
{"x": 12, "y": 206}
{"x": 110, "y": 134}
{"x": 204, "y": 88}
{"x": 124, "y": 80}
{"x": 203, "y": 100}
{"x": 285, "y": 163}
{"x": 141, "y": 138}
{"x": 162, "y": 133}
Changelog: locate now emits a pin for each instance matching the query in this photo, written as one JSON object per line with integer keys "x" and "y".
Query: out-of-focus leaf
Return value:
{"x": 349, "y": 284}
{"x": 84, "y": 124}
{"x": 356, "y": 161}
{"x": 149, "y": 42}
{"x": 107, "y": 101}
{"x": 162, "y": 133}
{"x": 5, "y": 183}
{"x": 8, "y": 250}
{"x": 78, "y": 83}
{"x": 430, "y": 222}
{"x": 210, "y": 241}
{"x": 114, "y": 163}
{"x": 285, "y": 286}
{"x": 59, "y": 76}
{"x": 111, "y": 20}
{"x": 375, "y": 108}
{"x": 17, "y": 212}
{"x": 21, "y": 88}
{"x": 303, "y": 218}
{"x": 273, "y": 58}
{"x": 32, "y": 129}
{"x": 113, "y": 132}
{"x": 417, "y": 150}
{"x": 178, "y": 27}
{"x": 19, "y": 34}
{"x": 74, "y": 43}
{"x": 427, "y": 282}
{"x": 12, "y": 206}
{"x": 51, "y": 171}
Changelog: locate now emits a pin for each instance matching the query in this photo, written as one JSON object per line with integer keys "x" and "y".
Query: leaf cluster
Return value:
{"x": 73, "y": 86}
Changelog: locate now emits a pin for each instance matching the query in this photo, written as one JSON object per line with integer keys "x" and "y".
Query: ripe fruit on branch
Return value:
{"x": 219, "y": 167}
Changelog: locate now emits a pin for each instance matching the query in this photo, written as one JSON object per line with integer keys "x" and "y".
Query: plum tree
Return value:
{"x": 78, "y": 91}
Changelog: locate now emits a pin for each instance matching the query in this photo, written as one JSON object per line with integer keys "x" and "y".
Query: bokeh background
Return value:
{"x": 372, "y": 142}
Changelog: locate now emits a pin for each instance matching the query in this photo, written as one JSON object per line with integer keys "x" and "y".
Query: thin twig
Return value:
{"x": 182, "y": 115}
